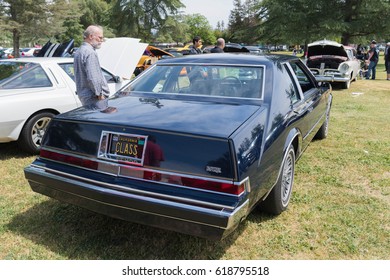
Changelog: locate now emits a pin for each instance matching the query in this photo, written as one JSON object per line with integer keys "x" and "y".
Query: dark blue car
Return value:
{"x": 192, "y": 145}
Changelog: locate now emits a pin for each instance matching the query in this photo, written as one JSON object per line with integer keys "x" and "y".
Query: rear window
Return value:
{"x": 14, "y": 75}
{"x": 203, "y": 80}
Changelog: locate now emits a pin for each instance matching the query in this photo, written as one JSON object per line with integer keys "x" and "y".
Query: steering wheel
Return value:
{"x": 231, "y": 80}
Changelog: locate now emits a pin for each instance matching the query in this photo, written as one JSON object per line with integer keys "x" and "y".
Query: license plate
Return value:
{"x": 121, "y": 147}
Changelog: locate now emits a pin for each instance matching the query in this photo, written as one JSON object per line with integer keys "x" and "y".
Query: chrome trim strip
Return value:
{"x": 150, "y": 195}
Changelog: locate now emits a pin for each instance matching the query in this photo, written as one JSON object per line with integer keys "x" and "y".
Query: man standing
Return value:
{"x": 197, "y": 43}
{"x": 387, "y": 50}
{"x": 91, "y": 86}
{"x": 373, "y": 56}
{"x": 387, "y": 60}
{"x": 219, "y": 47}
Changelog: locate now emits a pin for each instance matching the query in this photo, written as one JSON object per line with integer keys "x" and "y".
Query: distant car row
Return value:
{"x": 24, "y": 52}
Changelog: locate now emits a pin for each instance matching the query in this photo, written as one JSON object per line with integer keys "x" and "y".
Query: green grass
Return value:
{"x": 339, "y": 209}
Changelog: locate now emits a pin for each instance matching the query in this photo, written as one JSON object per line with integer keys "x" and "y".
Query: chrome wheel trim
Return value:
{"x": 287, "y": 179}
{"x": 38, "y": 130}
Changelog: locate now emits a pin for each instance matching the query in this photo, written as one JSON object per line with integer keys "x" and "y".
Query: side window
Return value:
{"x": 68, "y": 68}
{"x": 35, "y": 77}
{"x": 304, "y": 79}
{"x": 291, "y": 88}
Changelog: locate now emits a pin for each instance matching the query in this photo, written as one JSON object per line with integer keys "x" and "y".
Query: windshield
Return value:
{"x": 204, "y": 80}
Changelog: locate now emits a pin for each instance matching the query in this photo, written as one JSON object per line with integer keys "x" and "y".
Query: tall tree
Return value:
{"x": 140, "y": 18}
{"x": 175, "y": 30}
{"x": 243, "y": 20}
{"x": 36, "y": 21}
{"x": 199, "y": 26}
{"x": 20, "y": 15}
{"x": 346, "y": 20}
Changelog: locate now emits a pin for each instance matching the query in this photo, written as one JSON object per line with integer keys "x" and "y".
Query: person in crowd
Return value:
{"x": 373, "y": 56}
{"x": 219, "y": 47}
{"x": 91, "y": 86}
{"x": 387, "y": 60}
{"x": 360, "y": 52}
{"x": 195, "y": 48}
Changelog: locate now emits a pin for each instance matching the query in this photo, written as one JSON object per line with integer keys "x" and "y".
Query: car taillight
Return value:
{"x": 210, "y": 184}
{"x": 82, "y": 162}
{"x": 144, "y": 174}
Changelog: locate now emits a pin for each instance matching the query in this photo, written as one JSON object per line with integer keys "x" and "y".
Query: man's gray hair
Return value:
{"x": 91, "y": 30}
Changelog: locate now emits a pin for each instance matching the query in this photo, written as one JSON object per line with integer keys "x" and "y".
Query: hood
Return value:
{"x": 157, "y": 52}
{"x": 56, "y": 49}
{"x": 325, "y": 47}
{"x": 181, "y": 116}
{"x": 114, "y": 55}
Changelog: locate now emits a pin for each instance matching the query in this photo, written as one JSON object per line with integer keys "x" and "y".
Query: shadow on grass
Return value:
{"x": 12, "y": 150}
{"x": 75, "y": 233}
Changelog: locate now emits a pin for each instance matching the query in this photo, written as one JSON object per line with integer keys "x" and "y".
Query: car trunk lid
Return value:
{"x": 186, "y": 140}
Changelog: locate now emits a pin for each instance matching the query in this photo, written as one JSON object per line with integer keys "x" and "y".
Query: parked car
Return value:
{"x": 192, "y": 145}
{"x": 32, "y": 91}
{"x": 6, "y": 52}
{"x": 27, "y": 52}
{"x": 332, "y": 62}
{"x": 150, "y": 56}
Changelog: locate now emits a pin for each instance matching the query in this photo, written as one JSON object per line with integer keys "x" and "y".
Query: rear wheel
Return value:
{"x": 279, "y": 198}
{"x": 31, "y": 136}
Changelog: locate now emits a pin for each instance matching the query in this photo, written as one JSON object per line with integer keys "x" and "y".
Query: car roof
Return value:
{"x": 229, "y": 59}
{"x": 41, "y": 59}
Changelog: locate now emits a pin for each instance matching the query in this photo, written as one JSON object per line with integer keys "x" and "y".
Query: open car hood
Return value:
{"x": 121, "y": 55}
{"x": 118, "y": 55}
{"x": 56, "y": 49}
{"x": 157, "y": 52}
{"x": 327, "y": 48}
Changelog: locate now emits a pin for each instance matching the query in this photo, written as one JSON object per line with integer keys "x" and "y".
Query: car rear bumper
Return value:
{"x": 208, "y": 221}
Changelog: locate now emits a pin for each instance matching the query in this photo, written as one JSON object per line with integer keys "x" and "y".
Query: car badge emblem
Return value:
{"x": 214, "y": 169}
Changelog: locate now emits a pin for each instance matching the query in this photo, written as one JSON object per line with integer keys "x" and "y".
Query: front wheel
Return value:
{"x": 347, "y": 84}
{"x": 279, "y": 198}
{"x": 30, "y": 138}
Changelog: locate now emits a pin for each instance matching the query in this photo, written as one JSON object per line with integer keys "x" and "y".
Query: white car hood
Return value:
{"x": 121, "y": 55}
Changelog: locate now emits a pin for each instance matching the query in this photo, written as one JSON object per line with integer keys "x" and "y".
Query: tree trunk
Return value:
{"x": 16, "y": 39}
{"x": 345, "y": 38}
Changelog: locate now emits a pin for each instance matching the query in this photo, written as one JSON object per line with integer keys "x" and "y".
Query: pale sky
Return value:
{"x": 213, "y": 10}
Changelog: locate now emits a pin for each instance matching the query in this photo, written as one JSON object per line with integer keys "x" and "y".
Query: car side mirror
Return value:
{"x": 117, "y": 79}
{"x": 324, "y": 85}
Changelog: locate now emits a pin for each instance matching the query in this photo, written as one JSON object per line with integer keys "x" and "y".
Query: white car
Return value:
{"x": 32, "y": 91}
{"x": 27, "y": 52}
{"x": 332, "y": 62}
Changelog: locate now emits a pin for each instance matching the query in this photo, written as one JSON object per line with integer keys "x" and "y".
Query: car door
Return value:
{"x": 312, "y": 106}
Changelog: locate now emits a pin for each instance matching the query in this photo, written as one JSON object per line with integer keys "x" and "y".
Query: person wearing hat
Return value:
{"x": 373, "y": 56}
{"x": 387, "y": 60}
